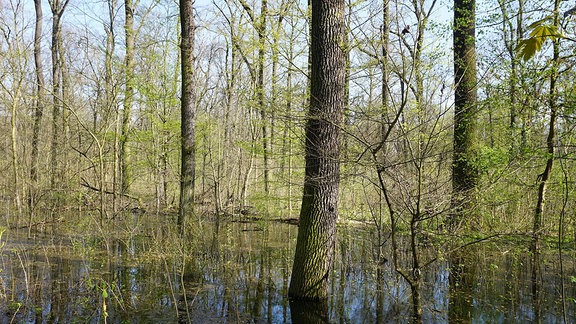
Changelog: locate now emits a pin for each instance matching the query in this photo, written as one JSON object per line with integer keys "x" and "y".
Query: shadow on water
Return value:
{"x": 239, "y": 273}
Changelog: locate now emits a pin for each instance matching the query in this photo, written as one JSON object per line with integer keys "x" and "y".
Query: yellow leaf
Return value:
{"x": 540, "y": 22}
{"x": 527, "y": 48}
{"x": 545, "y": 31}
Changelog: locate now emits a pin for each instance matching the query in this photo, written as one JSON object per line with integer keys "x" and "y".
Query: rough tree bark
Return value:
{"x": 187, "y": 173}
{"x": 464, "y": 172}
{"x": 317, "y": 232}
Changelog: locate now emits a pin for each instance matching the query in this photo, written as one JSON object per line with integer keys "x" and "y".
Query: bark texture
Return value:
{"x": 317, "y": 232}
{"x": 187, "y": 172}
{"x": 464, "y": 170}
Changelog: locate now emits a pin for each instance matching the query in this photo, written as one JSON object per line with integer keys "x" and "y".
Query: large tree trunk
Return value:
{"x": 464, "y": 171}
{"x": 317, "y": 232}
{"x": 125, "y": 171}
{"x": 187, "y": 173}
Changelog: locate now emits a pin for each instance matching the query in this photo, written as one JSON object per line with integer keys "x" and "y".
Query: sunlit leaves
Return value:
{"x": 542, "y": 30}
{"x": 527, "y": 48}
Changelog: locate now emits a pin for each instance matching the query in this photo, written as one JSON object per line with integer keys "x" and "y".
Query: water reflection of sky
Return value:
{"x": 245, "y": 279}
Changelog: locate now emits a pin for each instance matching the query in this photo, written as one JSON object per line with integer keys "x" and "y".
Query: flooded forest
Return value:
{"x": 278, "y": 161}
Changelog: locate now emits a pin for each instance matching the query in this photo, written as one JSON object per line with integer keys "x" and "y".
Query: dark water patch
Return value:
{"x": 233, "y": 273}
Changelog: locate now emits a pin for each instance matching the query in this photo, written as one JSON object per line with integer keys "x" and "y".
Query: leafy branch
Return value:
{"x": 542, "y": 30}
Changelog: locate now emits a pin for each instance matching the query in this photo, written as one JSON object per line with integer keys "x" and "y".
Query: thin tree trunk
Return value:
{"x": 110, "y": 98}
{"x": 258, "y": 79}
{"x": 511, "y": 40}
{"x": 317, "y": 233}
{"x": 65, "y": 115}
{"x": 286, "y": 141}
{"x": 187, "y": 171}
{"x": 288, "y": 108}
{"x": 552, "y": 103}
{"x": 233, "y": 184}
{"x": 38, "y": 113}
{"x": 166, "y": 146}
{"x": 516, "y": 77}
{"x": 14, "y": 146}
{"x": 13, "y": 90}
{"x": 55, "y": 95}
{"x": 385, "y": 36}
{"x": 57, "y": 11}
{"x": 246, "y": 179}
{"x": 347, "y": 70}
{"x": 275, "y": 61}
{"x": 260, "y": 92}
{"x": 230, "y": 89}
{"x": 126, "y": 172}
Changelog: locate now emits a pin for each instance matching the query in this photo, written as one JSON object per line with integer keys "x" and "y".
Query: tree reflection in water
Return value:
{"x": 239, "y": 273}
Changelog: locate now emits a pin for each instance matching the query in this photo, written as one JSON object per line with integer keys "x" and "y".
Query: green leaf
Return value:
{"x": 545, "y": 31}
{"x": 527, "y": 48}
{"x": 540, "y": 22}
{"x": 541, "y": 31}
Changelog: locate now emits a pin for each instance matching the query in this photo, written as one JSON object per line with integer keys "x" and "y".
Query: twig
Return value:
{"x": 85, "y": 184}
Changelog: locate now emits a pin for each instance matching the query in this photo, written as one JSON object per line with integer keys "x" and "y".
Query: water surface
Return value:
{"x": 239, "y": 273}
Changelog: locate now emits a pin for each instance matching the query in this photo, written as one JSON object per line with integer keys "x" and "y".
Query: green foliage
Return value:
{"x": 104, "y": 290}
{"x": 491, "y": 158}
{"x": 542, "y": 30}
{"x": 15, "y": 306}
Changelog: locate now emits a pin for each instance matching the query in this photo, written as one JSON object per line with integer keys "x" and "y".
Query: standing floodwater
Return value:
{"x": 239, "y": 273}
